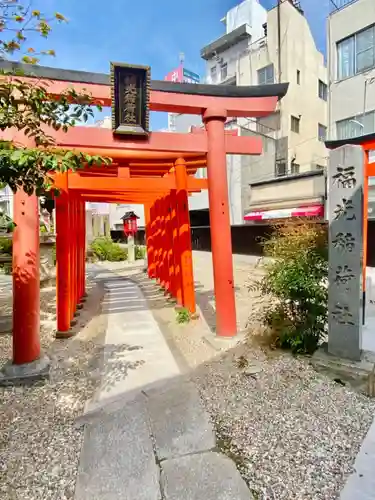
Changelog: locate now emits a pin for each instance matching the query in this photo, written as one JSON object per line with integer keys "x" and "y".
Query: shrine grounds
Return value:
{"x": 292, "y": 432}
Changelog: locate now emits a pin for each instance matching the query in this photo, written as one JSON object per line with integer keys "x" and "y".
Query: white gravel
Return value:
{"x": 293, "y": 433}
{"x": 39, "y": 444}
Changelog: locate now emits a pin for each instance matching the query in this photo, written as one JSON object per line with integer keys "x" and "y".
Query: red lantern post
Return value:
{"x": 130, "y": 230}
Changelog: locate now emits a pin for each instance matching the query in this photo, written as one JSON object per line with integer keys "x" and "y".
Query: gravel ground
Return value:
{"x": 39, "y": 444}
{"x": 293, "y": 433}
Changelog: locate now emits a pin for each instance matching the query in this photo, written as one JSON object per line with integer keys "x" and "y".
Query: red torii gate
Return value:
{"x": 155, "y": 172}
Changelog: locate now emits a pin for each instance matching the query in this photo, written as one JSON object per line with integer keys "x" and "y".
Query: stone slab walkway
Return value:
{"x": 361, "y": 484}
{"x": 147, "y": 435}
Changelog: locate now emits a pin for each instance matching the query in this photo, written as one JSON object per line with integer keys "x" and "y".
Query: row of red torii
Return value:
{"x": 158, "y": 172}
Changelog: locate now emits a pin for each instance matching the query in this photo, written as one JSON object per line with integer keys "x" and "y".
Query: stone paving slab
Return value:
{"x": 148, "y": 417}
{"x": 206, "y": 476}
{"x": 361, "y": 484}
{"x": 136, "y": 354}
{"x": 117, "y": 460}
{"x": 179, "y": 424}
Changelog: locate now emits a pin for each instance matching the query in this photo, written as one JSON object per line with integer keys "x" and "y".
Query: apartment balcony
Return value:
{"x": 230, "y": 79}
{"x": 226, "y": 41}
{"x": 336, "y": 5}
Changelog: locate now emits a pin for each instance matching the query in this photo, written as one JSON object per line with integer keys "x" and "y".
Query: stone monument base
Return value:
{"x": 358, "y": 374}
{"x": 12, "y": 374}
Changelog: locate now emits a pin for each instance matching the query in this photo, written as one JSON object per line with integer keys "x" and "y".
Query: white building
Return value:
{"x": 351, "y": 63}
{"x": 258, "y": 48}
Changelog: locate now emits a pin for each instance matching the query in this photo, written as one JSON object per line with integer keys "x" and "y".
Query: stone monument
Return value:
{"x": 345, "y": 184}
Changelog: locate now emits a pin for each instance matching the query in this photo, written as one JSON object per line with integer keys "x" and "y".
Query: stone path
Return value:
{"x": 361, "y": 484}
{"x": 147, "y": 437}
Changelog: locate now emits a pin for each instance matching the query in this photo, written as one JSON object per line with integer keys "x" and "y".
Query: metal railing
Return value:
{"x": 336, "y": 5}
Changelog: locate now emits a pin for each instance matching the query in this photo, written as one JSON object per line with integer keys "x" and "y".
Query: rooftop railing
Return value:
{"x": 336, "y": 5}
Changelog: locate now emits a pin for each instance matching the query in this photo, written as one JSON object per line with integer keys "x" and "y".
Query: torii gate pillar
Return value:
{"x": 221, "y": 242}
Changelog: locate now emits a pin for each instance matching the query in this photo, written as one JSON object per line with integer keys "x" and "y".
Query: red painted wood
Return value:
{"x": 63, "y": 258}
{"x": 176, "y": 248}
{"x": 26, "y": 290}
{"x": 221, "y": 242}
{"x": 184, "y": 237}
{"x": 174, "y": 102}
{"x": 101, "y": 141}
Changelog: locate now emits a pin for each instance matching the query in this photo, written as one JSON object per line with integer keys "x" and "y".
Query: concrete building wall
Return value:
{"x": 231, "y": 58}
{"x": 256, "y": 168}
{"x": 289, "y": 192}
{"x": 302, "y": 65}
{"x": 348, "y": 97}
{"x": 248, "y": 12}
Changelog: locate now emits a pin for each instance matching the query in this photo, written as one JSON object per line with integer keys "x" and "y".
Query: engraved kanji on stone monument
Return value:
{"x": 342, "y": 315}
{"x": 343, "y": 275}
{"x": 345, "y": 177}
{"x": 344, "y": 242}
{"x": 345, "y": 209}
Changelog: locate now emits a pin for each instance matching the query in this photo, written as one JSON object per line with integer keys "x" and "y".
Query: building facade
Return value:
{"x": 258, "y": 48}
{"x": 351, "y": 65}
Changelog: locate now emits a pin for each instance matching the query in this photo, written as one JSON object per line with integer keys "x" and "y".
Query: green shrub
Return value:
{"x": 183, "y": 316}
{"x": 6, "y": 268}
{"x": 105, "y": 249}
{"x": 6, "y": 246}
{"x": 140, "y": 252}
{"x": 296, "y": 278}
{"x": 6, "y": 223}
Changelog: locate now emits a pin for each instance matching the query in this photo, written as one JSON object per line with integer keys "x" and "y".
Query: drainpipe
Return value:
{"x": 279, "y": 38}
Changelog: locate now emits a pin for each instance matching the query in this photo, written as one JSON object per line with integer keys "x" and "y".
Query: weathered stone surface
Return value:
{"x": 6, "y": 324}
{"x": 206, "y": 476}
{"x": 12, "y": 374}
{"x": 345, "y": 252}
{"x": 179, "y": 423}
{"x": 117, "y": 460}
{"x": 361, "y": 484}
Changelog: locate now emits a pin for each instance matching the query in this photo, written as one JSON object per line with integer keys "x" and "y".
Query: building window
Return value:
{"x": 295, "y": 123}
{"x": 356, "y": 126}
{"x": 280, "y": 169}
{"x": 322, "y": 90}
{"x": 356, "y": 53}
{"x": 213, "y": 74}
{"x": 294, "y": 167}
{"x": 223, "y": 71}
{"x": 266, "y": 75}
{"x": 322, "y": 132}
{"x": 298, "y": 77}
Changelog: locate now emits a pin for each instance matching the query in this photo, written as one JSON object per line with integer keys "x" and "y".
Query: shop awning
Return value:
{"x": 284, "y": 213}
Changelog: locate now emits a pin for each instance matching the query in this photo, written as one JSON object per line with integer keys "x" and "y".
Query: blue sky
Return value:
{"x": 147, "y": 32}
